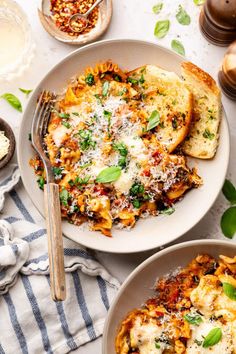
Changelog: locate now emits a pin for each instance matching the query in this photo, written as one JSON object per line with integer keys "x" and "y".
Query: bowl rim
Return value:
{"x": 148, "y": 261}
{"x": 52, "y": 71}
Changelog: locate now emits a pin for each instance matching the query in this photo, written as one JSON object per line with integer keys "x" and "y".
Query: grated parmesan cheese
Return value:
{"x": 4, "y": 145}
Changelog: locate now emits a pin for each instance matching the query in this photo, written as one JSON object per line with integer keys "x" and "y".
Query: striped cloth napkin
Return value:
{"x": 30, "y": 322}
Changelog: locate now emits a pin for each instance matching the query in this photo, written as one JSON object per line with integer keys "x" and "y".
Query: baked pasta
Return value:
{"x": 110, "y": 142}
{"x": 193, "y": 312}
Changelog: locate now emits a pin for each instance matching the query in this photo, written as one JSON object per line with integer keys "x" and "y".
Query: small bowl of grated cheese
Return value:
{"x": 7, "y": 143}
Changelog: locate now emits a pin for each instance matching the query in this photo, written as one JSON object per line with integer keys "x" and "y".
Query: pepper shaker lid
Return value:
{"x": 218, "y": 21}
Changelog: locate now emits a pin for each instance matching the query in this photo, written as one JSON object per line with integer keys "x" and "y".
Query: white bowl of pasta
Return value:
{"x": 114, "y": 140}
{"x": 180, "y": 300}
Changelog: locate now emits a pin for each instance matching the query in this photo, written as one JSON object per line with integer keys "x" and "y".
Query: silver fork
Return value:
{"x": 51, "y": 199}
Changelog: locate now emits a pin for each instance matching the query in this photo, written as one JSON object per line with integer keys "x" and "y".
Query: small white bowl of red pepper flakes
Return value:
{"x": 55, "y": 15}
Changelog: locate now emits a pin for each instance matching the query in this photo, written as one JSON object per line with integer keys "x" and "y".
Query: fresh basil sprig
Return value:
{"x": 194, "y": 319}
{"x": 157, "y": 8}
{"x": 228, "y": 222}
{"x": 26, "y": 92}
{"x": 161, "y": 28}
{"x": 178, "y": 47}
{"x": 182, "y": 17}
{"x": 229, "y": 191}
{"x": 153, "y": 120}
{"x": 12, "y": 100}
{"x": 213, "y": 337}
{"x": 229, "y": 291}
{"x": 109, "y": 174}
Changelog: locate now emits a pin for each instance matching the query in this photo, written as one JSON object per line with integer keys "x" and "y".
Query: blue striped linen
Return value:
{"x": 30, "y": 322}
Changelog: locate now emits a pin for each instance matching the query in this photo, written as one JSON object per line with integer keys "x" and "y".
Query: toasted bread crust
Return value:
{"x": 202, "y": 76}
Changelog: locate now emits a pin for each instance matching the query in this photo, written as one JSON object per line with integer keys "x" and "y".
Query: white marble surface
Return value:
{"x": 131, "y": 19}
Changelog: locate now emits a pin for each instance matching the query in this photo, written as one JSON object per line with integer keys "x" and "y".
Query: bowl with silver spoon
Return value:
{"x": 75, "y": 23}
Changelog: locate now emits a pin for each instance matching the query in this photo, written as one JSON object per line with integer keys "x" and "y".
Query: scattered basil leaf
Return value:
{"x": 109, "y": 174}
{"x": 136, "y": 203}
{"x": 136, "y": 189}
{"x": 178, "y": 47}
{"x": 157, "y": 8}
{"x": 228, "y": 222}
{"x": 161, "y": 28}
{"x": 57, "y": 171}
{"x": 229, "y": 291}
{"x": 194, "y": 319}
{"x": 132, "y": 80}
{"x": 86, "y": 140}
{"x": 157, "y": 345}
{"x": 107, "y": 114}
{"x": 208, "y": 135}
{"x": 121, "y": 148}
{"x": 229, "y": 191}
{"x": 89, "y": 79}
{"x": 26, "y": 92}
{"x": 182, "y": 17}
{"x": 117, "y": 78}
{"x": 13, "y": 101}
{"x": 199, "y": 2}
{"x": 153, "y": 120}
{"x": 105, "y": 88}
{"x": 64, "y": 197}
{"x": 213, "y": 337}
{"x": 64, "y": 115}
{"x": 41, "y": 182}
{"x": 66, "y": 124}
{"x": 168, "y": 211}
{"x": 75, "y": 114}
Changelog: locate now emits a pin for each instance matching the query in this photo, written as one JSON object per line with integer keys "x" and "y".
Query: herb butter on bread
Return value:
{"x": 202, "y": 140}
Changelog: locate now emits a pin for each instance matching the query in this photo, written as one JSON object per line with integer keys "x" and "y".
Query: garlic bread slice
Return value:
{"x": 202, "y": 140}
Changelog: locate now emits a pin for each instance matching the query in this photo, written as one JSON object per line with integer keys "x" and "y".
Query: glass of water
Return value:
{"x": 16, "y": 42}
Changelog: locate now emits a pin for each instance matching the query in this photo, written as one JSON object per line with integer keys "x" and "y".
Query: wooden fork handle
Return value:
{"x": 55, "y": 241}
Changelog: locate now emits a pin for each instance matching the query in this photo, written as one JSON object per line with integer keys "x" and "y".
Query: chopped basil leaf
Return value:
{"x": 105, "y": 88}
{"x": 174, "y": 123}
{"x": 132, "y": 80}
{"x": 66, "y": 124}
{"x": 121, "y": 148}
{"x": 117, "y": 78}
{"x": 168, "y": 211}
{"x": 75, "y": 114}
{"x": 109, "y": 174}
{"x": 153, "y": 120}
{"x": 208, "y": 135}
{"x": 141, "y": 80}
{"x": 41, "y": 182}
{"x": 64, "y": 197}
{"x": 194, "y": 319}
{"x": 107, "y": 114}
{"x": 228, "y": 222}
{"x": 122, "y": 162}
{"x": 12, "y": 100}
{"x": 229, "y": 291}
{"x": 161, "y": 28}
{"x": 136, "y": 203}
{"x": 90, "y": 80}
{"x": 157, "y": 8}
{"x": 213, "y": 337}
{"x": 182, "y": 17}
{"x": 136, "y": 189}
{"x": 229, "y": 191}
{"x": 157, "y": 345}
{"x": 86, "y": 140}
{"x": 178, "y": 47}
{"x": 57, "y": 171}
{"x": 26, "y": 92}
{"x": 64, "y": 115}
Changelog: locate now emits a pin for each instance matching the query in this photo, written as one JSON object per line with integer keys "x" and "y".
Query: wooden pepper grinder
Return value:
{"x": 218, "y": 21}
{"x": 227, "y": 74}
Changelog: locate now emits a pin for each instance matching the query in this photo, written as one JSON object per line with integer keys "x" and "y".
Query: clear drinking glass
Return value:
{"x": 16, "y": 42}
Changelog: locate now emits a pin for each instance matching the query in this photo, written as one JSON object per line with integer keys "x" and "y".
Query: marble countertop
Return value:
{"x": 131, "y": 19}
